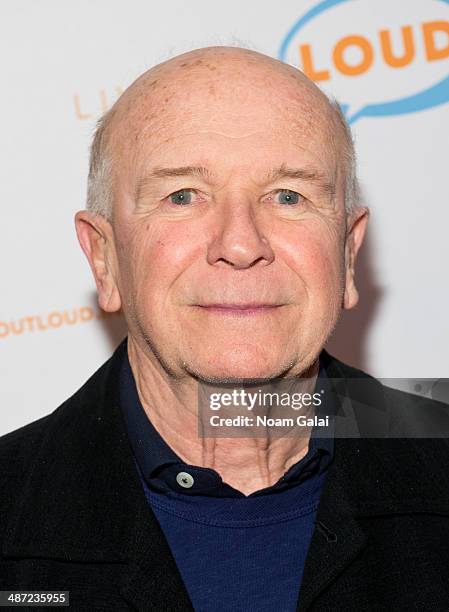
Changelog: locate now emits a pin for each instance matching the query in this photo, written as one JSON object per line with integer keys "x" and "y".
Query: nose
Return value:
{"x": 238, "y": 240}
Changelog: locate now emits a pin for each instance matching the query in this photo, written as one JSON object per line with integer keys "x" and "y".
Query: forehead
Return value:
{"x": 246, "y": 109}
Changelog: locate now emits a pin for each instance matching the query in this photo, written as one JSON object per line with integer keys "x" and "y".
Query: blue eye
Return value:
{"x": 181, "y": 197}
{"x": 288, "y": 197}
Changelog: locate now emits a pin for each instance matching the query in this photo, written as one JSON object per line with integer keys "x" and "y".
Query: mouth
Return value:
{"x": 239, "y": 310}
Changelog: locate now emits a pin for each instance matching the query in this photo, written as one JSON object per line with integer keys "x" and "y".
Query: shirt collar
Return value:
{"x": 159, "y": 465}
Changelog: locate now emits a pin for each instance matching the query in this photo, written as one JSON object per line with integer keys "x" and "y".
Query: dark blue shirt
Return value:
{"x": 234, "y": 552}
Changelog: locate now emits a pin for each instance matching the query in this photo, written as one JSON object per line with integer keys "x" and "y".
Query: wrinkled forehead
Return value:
{"x": 237, "y": 101}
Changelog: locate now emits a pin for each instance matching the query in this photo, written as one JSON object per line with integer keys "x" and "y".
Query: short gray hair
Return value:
{"x": 100, "y": 180}
{"x": 353, "y": 194}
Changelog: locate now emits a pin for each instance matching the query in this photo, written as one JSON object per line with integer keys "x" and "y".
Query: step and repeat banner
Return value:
{"x": 64, "y": 63}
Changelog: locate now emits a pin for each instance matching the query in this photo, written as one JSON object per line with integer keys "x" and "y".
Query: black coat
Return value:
{"x": 73, "y": 515}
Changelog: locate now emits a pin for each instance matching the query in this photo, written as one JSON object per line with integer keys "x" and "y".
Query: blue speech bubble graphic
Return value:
{"x": 432, "y": 96}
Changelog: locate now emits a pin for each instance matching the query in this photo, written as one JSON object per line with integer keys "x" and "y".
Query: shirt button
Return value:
{"x": 184, "y": 480}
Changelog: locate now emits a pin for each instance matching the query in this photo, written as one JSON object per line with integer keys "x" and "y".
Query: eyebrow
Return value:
{"x": 199, "y": 171}
{"x": 308, "y": 174}
{"x": 179, "y": 171}
{"x": 311, "y": 175}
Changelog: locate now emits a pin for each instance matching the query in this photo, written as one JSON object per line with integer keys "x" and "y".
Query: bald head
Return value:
{"x": 221, "y": 89}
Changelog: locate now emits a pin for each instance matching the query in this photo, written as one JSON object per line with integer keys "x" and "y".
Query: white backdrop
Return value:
{"x": 63, "y": 63}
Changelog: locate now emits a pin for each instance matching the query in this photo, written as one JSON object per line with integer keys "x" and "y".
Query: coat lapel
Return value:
{"x": 151, "y": 579}
{"x": 83, "y": 500}
{"x": 338, "y": 538}
{"x": 371, "y": 475}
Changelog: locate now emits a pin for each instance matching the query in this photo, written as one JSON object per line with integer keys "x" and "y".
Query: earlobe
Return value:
{"x": 351, "y": 295}
{"x": 354, "y": 238}
{"x": 96, "y": 240}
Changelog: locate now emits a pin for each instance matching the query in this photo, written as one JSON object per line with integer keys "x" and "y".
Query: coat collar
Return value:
{"x": 83, "y": 501}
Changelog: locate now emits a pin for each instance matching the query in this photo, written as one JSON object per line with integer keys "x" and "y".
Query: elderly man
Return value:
{"x": 223, "y": 219}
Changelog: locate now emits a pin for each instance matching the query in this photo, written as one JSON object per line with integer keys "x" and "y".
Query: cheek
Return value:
{"x": 316, "y": 255}
{"x": 152, "y": 256}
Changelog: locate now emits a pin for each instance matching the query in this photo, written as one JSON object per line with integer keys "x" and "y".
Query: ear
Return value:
{"x": 96, "y": 238}
{"x": 355, "y": 233}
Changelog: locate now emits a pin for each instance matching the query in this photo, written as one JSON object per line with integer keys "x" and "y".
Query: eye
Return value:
{"x": 181, "y": 197}
{"x": 286, "y": 196}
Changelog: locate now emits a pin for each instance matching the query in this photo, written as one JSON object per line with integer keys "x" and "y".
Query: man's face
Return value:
{"x": 229, "y": 228}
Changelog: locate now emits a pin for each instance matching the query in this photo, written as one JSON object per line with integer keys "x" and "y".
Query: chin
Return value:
{"x": 229, "y": 368}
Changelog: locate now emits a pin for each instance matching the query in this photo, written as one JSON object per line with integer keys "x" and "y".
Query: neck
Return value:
{"x": 247, "y": 464}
